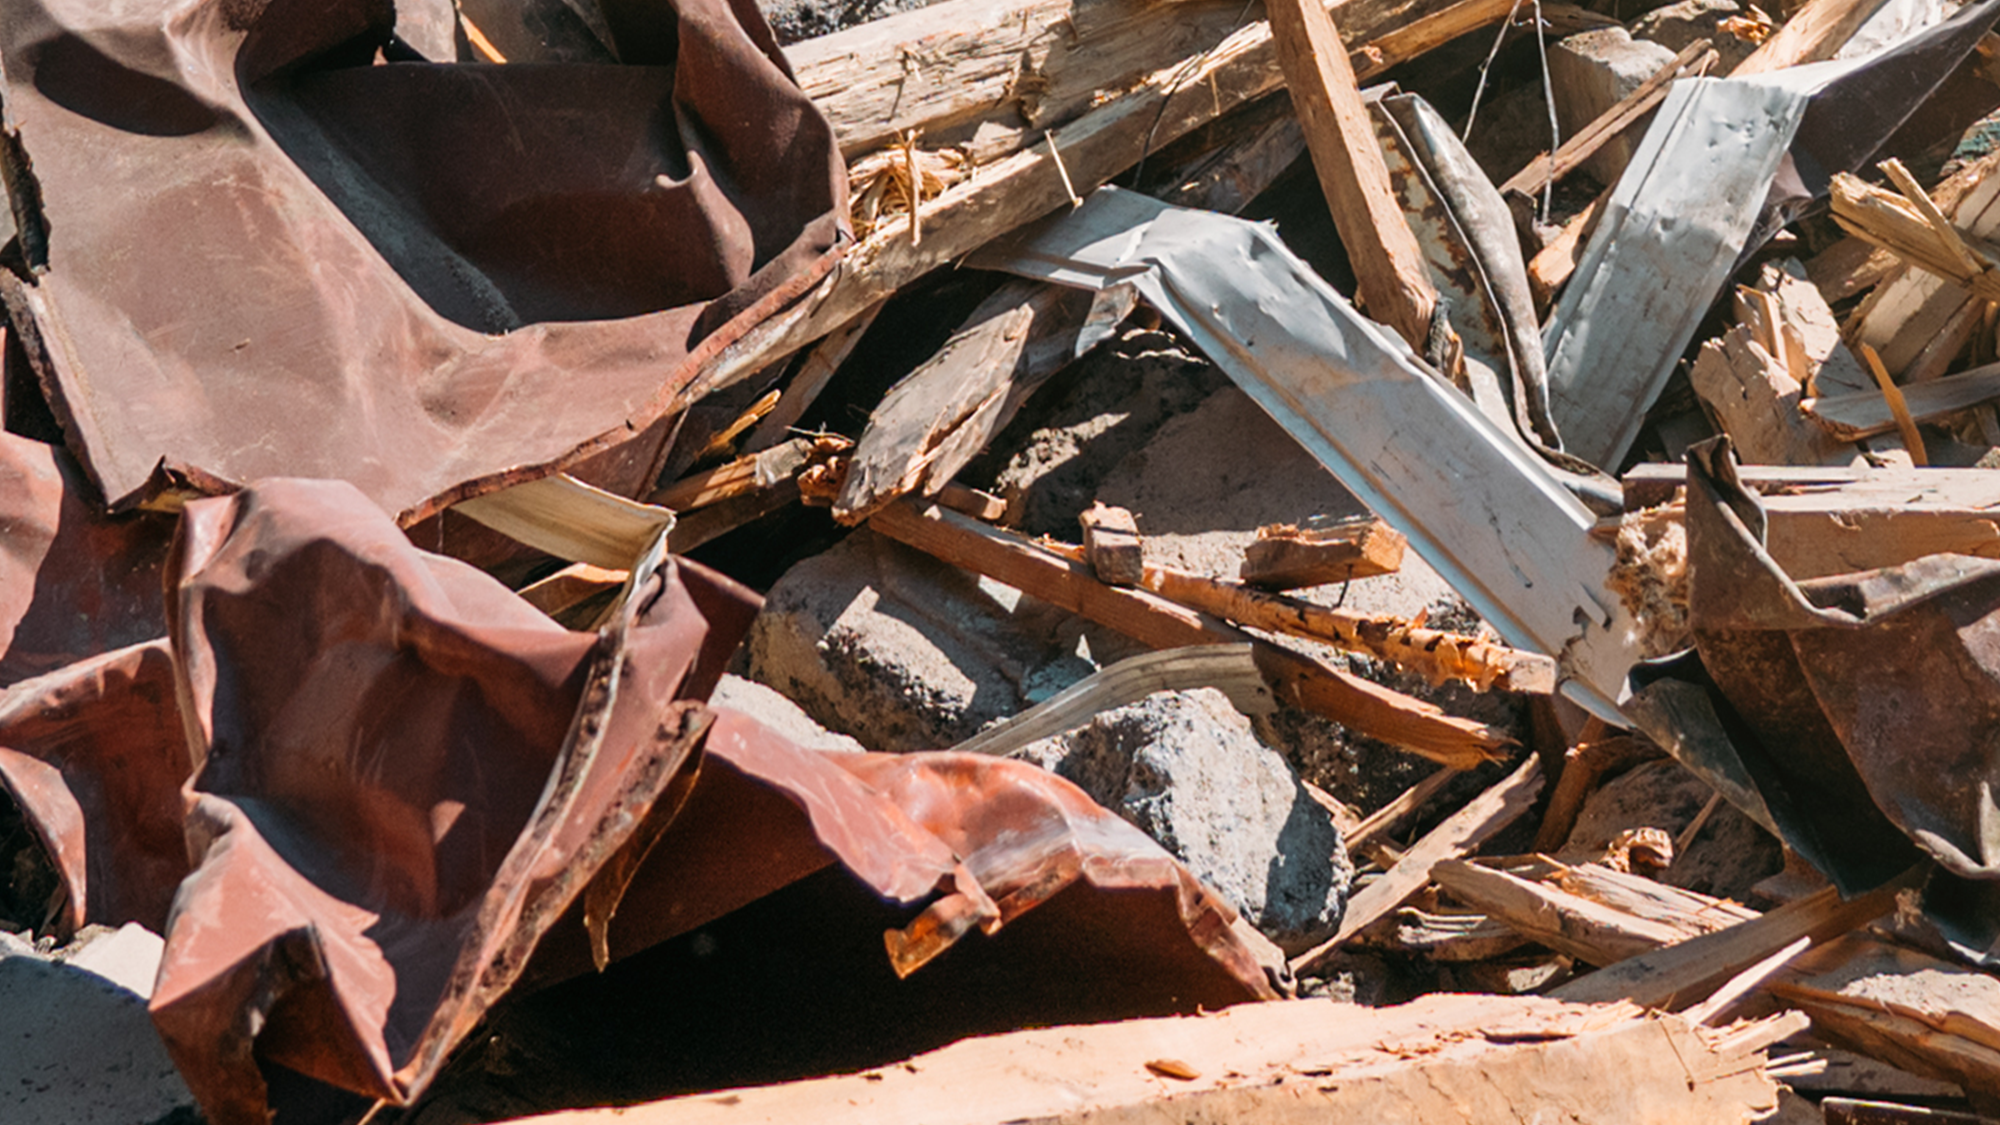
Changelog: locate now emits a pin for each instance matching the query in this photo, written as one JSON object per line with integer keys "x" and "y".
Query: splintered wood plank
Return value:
{"x": 1570, "y": 924}
{"x": 1111, "y": 545}
{"x": 1388, "y": 264}
{"x": 1295, "y": 679}
{"x": 1286, "y": 557}
{"x": 1757, "y": 400}
{"x": 1441, "y": 1059}
{"x": 1438, "y": 655}
{"x": 1678, "y": 975}
{"x": 1464, "y": 830}
{"x": 1155, "y": 110}
{"x": 1849, "y": 417}
{"x": 1911, "y": 1010}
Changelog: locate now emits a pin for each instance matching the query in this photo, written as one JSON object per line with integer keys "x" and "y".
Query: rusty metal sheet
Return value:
{"x": 267, "y": 239}
{"x": 390, "y": 791}
{"x": 74, "y": 583}
{"x": 94, "y": 757}
{"x": 1862, "y": 708}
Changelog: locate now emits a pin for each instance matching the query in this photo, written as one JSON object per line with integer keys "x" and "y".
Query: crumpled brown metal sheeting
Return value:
{"x": 404, "y": 775}
{"x": 264, "y": 249}
{"x": 74, "y": 583}
{"x": 1874, "y": 695}
{"x": 94, "y": 756}
{"x": 395, "y": 778}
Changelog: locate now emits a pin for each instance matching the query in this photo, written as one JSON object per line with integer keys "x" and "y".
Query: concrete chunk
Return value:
{"x": 1185, "y": 768}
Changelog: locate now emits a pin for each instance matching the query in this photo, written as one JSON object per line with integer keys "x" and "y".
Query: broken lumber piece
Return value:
{"x": 1547, "y": 168}
{"x": 1111, "y": 545}
{"x": 1835, "y": 520}
{"x": 1457, "y": 835}
{"x": 1444, "y": 1059}
{"x": 1760, "y": 402}
{"x": 1912, "y": 227}
{"x": 1440, "y": 656}
{"x": 1295, "y": 679}
{"x": 1388, "y": 264}
{"x": 1678, "y": 975}
{"x": 1569, "y": 924}
{"x": 572, "y": 520}
{"x": 1851, "y": 417}
{"x": 1151, "y": 112}
{"x": 1288, "y": 557}
{"x": 1911, "y": 1010}
{"x": 1815, "y": 32}
{"x": 1584, "y": 765}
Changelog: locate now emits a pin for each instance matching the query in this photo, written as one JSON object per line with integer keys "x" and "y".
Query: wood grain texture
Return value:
{"x": 1442, "y": 1059}
{"x": 1395, "y": 287}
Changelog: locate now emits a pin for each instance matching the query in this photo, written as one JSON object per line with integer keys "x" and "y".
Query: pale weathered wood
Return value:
{"x": 1295, "y": 679}
{"x": 1111, "y": 544}
{"x": 1839, "y": 520}
{"x": 1286, "y": 557}
{"x": 1690, "y": 912}
{"x": 1588, "y": 931}
{"x": 1678, "y": 975}
{"x": 745, "y": 474}
{"x": 1447, "y": 1059}
{"x": 1849, "y": 417}
{"x": 1230, "y": 669}
{"x": 1547, "y": 168}
{"x": 572, "y": 520}
{"x": 1395, "y": 287}
{"x": 938, "y": 417}
{"x": 1814, "y": 33}
{"x": 1913, "y": 306}
{"x": 1909, "y": 1009}
{"x": 992, "y": 73}
{"x": 1461, "y": 832}
{"x": 1757, "y": 401}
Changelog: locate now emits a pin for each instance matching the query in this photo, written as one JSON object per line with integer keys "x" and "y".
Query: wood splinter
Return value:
{"x": 1111, "y": 545}
{"x": 1288, "y": 557}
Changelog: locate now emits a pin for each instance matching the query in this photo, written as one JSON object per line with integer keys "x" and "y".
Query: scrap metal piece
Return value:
{"x": 389, "y": 791}
{"x": 94, "y": 756}
{"x": 1478, "y": 506}
{"x": 74, "y": 583}
{"x": 1862, "y": 709}
{"x": 269, "y": 252}
{"x": 1725, "y": 165}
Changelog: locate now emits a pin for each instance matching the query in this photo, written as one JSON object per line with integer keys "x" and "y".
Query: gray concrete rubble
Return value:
{"x": 902, "y": 652}
{"x": 1185, "y": 767}
{"x": 80, "y": 1048}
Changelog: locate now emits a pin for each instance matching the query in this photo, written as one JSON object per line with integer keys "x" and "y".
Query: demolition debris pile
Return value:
{"x": 1056, "y": 560}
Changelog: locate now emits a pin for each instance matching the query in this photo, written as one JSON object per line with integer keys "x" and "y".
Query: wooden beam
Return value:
{"x": 1295, "y": 679}
{"x": 1445, "y": 1059}
{"x": 1395, "y": 287}
{"x": 1584, "y": 765}
{"x": 1461, "y": 832}
{"x": 1815, "y": 33}
{"x": 1850, "y": 417}
{"x": 1286, "y": 557}
{"x": 1569, "y": 924}
{"x": 1679, "y": 975}
{"x": 1835, "y": 520}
